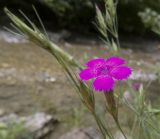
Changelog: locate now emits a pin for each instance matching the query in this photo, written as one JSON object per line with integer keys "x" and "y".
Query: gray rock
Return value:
{"x": 45, "y": 77}
{"x": 141, "y": 76}
{"x": 37, "y": 125}
{"x": 11, "y": 38}
{"x": 88, "y": 133}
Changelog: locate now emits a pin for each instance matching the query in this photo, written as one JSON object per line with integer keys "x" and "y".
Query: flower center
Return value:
{"x": 102, "y": 70}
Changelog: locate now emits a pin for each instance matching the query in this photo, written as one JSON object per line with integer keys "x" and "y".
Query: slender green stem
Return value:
{"x": 104, "y": 131}
{"x": 118, "y": 125}
{"x": 100, "y": 127}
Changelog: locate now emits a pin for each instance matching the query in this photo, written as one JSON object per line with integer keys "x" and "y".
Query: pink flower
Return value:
{"x": 105, "y": 72}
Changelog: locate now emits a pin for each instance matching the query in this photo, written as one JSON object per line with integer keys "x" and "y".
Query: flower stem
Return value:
{"x": 102, "y": 128}
{"x": 118, "y": 125}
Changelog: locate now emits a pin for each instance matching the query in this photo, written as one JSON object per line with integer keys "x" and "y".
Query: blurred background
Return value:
{"x": 79, "y": 15}
{"x": 32, "y": 84}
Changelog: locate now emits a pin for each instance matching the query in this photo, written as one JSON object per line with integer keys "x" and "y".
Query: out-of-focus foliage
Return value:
{"x": 82, "y": 11}
{"x": 72, "y": 13}
{"x": 12, "y": 131}
{"x": 151, "y": 19}
{"x": 128, "y": 11}
{"x": 61, "y": 7}
{"x": 80, "y": 14}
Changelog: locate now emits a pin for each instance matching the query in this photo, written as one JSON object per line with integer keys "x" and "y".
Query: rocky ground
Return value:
{"x": 31, "y": 81}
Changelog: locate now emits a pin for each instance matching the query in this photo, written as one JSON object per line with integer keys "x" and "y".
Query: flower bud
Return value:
{"x": 111, "y": 104}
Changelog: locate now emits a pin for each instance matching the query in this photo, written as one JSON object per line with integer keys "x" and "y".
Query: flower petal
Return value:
{"x": 121, "y": 72}
{"x": 115, "y": 61}
{"x": 94, "y": 62}
{"x": 86, "y": 74}
{"x": 103, "y": 83}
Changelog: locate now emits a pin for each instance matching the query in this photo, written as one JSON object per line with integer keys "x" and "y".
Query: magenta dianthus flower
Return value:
{"x": 105, "y": 72}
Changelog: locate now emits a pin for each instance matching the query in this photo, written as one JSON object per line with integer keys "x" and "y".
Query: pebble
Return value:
{"x": 88, "y": 133}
